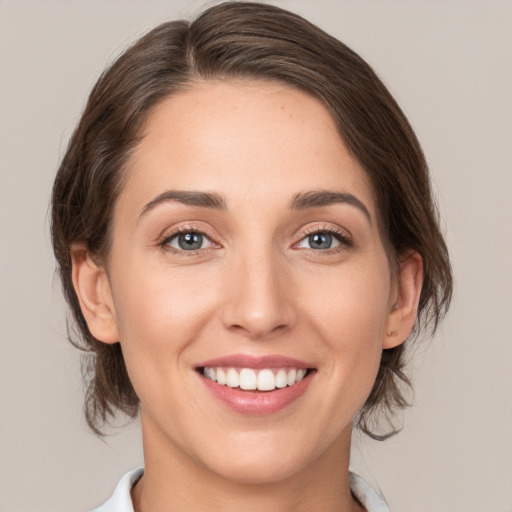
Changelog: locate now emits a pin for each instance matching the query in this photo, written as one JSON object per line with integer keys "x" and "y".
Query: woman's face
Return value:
{"x": 246, "y": 240}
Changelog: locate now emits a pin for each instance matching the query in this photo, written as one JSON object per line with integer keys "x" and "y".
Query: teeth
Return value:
{"x": 221, "y": 376}
{"x": 281, "y": 379}
{"x": 266, "y": 380}
{"x": 232, "y": 379}
{"x": 249, "y": 379}
{"x": 292, "y": 375}
{"x": 301, "y": 373}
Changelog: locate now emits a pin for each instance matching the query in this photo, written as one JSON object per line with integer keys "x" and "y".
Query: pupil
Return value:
{"x": 190, "y": 241}
{"x": 320, "y": 241}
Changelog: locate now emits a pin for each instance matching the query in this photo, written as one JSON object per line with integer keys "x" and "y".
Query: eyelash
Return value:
{"x": 344, "y": 240}
{"x": 341, "y": 236}
{"x": 164, "y": 244}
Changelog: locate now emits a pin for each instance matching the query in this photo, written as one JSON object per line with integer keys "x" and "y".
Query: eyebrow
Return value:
{"x": 188, "y": 197}
{"x": 319, "y": 198}
{"x": 301, "y": 201}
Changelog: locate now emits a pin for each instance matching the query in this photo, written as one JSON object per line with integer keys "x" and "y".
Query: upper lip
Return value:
{"x": 255, "y": 362}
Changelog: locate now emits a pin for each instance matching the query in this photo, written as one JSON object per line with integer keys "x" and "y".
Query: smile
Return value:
{"x": 266, "y": 379}
{"x": 256, "y": 385}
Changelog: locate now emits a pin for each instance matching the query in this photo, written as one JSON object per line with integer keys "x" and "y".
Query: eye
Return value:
{"x": 324, "y": 240}
{"x": 320, "y": 241}
{"x": 188, "y": 241}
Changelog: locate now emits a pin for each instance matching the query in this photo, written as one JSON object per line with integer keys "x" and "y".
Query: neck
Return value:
{"x": 175, "y": 481}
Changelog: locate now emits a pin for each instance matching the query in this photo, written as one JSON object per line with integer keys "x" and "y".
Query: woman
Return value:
{"x": 246, "y": 236}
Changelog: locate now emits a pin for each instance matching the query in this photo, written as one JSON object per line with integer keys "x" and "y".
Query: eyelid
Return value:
{"x": 170, "y": 234}
{"x": 170, "y": 241}
{"x": 341, "y": 235}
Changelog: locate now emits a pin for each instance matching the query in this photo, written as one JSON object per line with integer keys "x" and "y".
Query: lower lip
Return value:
{"x": 258, "y": 403}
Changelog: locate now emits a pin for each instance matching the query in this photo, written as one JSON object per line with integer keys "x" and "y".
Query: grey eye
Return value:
{"x": 190, "y": 241}
{"x": 319, "y": 241}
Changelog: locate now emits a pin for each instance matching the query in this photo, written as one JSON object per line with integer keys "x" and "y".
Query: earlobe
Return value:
{"x": 92, "y": 288}
{"x": 402, "y": 316}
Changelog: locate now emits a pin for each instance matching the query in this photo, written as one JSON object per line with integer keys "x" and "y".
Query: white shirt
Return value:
{"x": 121, "y": 500}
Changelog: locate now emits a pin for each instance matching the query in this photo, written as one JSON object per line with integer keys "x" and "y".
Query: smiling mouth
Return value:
{"x": 249, "y": 379}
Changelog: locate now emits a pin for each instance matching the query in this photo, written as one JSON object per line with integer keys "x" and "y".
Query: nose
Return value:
{"x": 258, "y": 296}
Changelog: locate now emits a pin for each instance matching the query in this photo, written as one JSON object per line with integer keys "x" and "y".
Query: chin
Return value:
{"x": 259, "y": 469}
{"x": 255, "y": 459}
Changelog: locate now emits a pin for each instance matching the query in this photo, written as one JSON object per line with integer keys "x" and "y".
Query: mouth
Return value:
{"x": 249, "y": 379}
{"x": 256, "y": 385}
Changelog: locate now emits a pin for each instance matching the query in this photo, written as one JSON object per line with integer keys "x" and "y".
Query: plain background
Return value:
{"x": 448, "y": 63}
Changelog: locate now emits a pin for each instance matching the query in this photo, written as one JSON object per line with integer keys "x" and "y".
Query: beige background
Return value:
{"x": 449, "y": 65}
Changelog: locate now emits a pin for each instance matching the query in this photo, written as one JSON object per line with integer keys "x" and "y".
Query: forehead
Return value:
{"x": 244, "y": 139}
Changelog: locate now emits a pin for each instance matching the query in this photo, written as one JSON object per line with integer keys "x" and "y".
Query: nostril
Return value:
{"x": 257, "y": 329}
{"x": 259, "y": 305}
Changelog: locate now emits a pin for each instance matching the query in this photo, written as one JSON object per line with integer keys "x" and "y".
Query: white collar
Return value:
{"x": 121, "y": 500}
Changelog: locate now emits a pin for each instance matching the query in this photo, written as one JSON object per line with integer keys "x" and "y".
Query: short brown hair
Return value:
{"x": 249, "y": 41}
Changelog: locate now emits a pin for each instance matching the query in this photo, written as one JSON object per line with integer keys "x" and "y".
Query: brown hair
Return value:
{"x": 250, "y": 41}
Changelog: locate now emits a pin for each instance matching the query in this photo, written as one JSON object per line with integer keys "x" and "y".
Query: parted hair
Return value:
{"x": 239, "y": 40}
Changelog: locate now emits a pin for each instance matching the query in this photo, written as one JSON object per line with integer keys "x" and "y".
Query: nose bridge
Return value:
{"x": 258, "y": 299}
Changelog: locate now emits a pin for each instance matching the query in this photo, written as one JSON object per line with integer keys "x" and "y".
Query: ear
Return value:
{"x": 402, "y": 316}
{"x": 92, "y": 288}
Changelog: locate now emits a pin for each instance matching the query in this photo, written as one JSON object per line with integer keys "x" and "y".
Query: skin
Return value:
{"x": 255, "y": 287}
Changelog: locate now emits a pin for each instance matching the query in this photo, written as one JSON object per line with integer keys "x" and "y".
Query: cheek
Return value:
{"x": 159, "y": 318}
{"x": 353, "y": 304}
{"x": 350, "y": 314}
{"x": 159, "y": 314}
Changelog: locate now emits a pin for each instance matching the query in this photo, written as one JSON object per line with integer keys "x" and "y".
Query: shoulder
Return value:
{"x": 370, "y": 498}
{"x": 121, "y": 501}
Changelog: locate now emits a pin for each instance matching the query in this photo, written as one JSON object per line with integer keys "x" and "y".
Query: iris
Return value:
{"x": 190, "y": 241}
{"x": 320, "y": 241}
